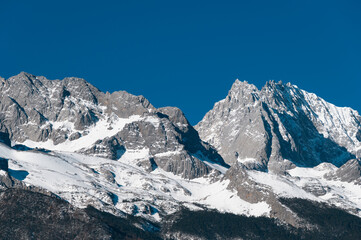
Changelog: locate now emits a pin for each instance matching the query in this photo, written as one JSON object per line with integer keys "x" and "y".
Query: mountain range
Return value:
{"x": 274, "y": 163}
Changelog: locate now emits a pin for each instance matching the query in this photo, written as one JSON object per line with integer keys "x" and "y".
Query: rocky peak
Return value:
{"x": 124, "y": 104}
{"x": 72, "y": 115}
{"x": 262, "y": 128}
{"x": 284, "y": 97}
{"x": 243, "y": 92}
{"x": 24, "y": 76}
{"x": 175, "y": 115}
{"x": 79, "y": 88}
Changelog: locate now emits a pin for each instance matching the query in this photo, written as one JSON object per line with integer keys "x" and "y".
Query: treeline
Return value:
{"x": 328, "y": 223}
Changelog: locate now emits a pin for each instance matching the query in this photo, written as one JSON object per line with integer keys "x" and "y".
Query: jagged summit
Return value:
{"x": 241, "y": 90}
{"x": 287, "y": 135}
{"x": 73, "y": 115}
{"x": 118, "y": 153}
{"x": 261, "y": 128}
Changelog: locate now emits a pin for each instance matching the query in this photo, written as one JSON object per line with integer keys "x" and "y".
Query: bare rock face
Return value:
{"x": 349, "y": 172}
{"x": 36, "y": 109}
{"x": 274, "y": 130}
{"x": 261, "y": 128}
{"x": 32, "y": 107}
{"x": 253, "y": 192}
{"x": 168, "y": 140}
{"x": 316, "y": 189}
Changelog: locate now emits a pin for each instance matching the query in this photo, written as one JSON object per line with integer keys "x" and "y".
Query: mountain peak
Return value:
{"x": 242, "y": 84}
{"x": 23, "y": 75}
{"x": 73, "y": 115}
{"x": 288, "y": 124}
{"x": 272, "y": 84}
{"x": 242, "y": 89}
{"x": 272, "y": 139}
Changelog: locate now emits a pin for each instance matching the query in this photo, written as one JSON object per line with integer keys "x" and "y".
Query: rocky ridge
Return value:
{"x": 120, "y": 154}
{"x": 277, "y": 129}
{"x": 262, "y": 128}
{"x": 71, "y": 114}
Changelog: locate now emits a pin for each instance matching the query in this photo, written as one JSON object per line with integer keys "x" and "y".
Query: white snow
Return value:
{"x": 62, "y": 125}
{"x": 134, "y": 154}
{"x": 101, "y": 130}
{"x": 337, "y": 123}
{"x": 2, "y": 173}
{"x": 84, "y": 180}
{"x": 216, "y": 166}
{"x": 167, "y": 154}
{"x": 246, "y": 160}
{"x": 216, "y": 195}
{"x": 280, "y": 185}
{"x": 342, "y": 194}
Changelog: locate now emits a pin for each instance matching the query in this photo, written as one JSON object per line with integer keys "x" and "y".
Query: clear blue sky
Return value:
{"x": 187, "y": 53}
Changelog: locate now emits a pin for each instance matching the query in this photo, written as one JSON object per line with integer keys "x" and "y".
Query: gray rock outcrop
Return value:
{"x": 30, "y": 106}
{"x": 349, "y": 172}
{"x": 262, "y": 128}
{"x": 36, "y": 109}
{"x": 253, "y": 192}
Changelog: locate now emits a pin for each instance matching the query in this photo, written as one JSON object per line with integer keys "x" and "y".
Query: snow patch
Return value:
{"x": 101, "y": 130}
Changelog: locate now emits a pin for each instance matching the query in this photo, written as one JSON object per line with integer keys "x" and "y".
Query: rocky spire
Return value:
{"x": 262, "y": 128}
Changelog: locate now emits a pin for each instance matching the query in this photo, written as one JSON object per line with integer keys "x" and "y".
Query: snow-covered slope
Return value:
{"x": 117, "y": 187}
{"x": 119, "y": 154}
{"x": 121, "y": 186}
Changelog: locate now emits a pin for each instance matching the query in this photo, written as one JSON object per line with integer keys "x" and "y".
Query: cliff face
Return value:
{"x": 262, "y": 128}
{"x": 72, "y": 115}
{"x": 119, "y": 154}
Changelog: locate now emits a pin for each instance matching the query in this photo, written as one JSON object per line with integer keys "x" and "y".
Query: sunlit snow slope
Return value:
{"x": 114, "y": 186}
{"x": 119, "y": 154}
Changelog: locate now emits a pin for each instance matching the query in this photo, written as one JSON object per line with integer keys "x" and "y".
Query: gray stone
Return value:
{"x": 253, "y": 192}
{"x": 349, "y": 172}
{"x": 35, "y": 108}
{"x": 279, "y": 122}
{"x": 75, "y": 136}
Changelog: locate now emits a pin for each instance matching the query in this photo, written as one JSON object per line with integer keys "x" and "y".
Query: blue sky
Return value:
{"x": 187, "y": 53}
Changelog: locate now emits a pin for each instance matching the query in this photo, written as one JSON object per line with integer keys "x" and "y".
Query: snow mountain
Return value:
{"x": 263, "y": 128}
{"x": 257, "y": 153}
{"x": 72, "y": 115}
{"x": 284, "y": 141}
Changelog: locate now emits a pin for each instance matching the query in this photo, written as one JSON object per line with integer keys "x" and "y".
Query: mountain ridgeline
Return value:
{"x": 280, "y": 126}
{"x": 61, "y": 111}
{"x": 114, "y": 163}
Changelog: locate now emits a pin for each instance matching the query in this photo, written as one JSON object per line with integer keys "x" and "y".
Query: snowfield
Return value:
{"x": 117, "y": 187}
{"x": 120, "y": 186}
